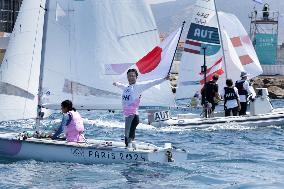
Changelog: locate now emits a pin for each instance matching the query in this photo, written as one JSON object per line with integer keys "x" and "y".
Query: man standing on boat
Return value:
{"x": 153, "y": 68}
{"x": 231, "y": 99}
{"x": 130, "y": 102}
{"x": 210, "y": 92}
{"x": 244, "y": 90}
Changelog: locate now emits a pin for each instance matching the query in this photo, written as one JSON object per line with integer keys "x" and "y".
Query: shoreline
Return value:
{"x": 274, "y": 84}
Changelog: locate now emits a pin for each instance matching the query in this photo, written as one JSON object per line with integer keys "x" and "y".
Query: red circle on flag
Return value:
{"x": 151, "y": 61}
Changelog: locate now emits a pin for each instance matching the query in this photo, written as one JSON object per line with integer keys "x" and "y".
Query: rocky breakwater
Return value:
{"x": 274, "y": 84}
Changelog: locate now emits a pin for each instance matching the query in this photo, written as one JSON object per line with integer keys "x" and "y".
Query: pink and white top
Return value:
{"x": 74, "y": 130}
{"x": 132, "y": 93}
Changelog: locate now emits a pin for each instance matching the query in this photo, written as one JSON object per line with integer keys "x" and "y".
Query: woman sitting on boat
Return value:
{"x": 71, "y": 123}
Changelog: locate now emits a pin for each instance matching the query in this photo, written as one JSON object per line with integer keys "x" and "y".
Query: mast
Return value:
{"x": 40, "y": 114}
{"x": 176, "y": 46}
{"x": 221, "y": 39}
{"x": 204, "y": 70}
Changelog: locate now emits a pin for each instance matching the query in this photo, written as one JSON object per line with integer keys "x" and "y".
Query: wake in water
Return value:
{"x": 114, "y": 122}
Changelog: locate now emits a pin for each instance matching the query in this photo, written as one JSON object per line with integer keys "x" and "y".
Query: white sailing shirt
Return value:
{"x": 132, "y": 93}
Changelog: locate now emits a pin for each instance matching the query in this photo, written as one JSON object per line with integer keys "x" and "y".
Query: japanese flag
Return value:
{"x": 157, "y": 63}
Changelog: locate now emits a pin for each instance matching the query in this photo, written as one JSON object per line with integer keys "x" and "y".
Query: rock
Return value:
{"x": 276, "y": 92}
{"x": 274, "y": 84}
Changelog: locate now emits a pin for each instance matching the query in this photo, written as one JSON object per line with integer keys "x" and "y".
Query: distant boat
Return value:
{"x": 229, "y": 51}
{"x": 57, "y": 51}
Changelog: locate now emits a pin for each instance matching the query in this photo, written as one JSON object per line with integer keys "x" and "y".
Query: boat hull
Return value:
{"x": 93, "y": 152}
{"x": 274, "y": 118}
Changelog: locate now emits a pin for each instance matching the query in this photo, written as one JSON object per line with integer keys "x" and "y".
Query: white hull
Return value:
{"x": 274, "y": 118}
{"x": 94, "y": 152}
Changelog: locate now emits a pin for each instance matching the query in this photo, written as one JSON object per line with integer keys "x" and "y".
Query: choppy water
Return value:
{"x": 224, "y": 156}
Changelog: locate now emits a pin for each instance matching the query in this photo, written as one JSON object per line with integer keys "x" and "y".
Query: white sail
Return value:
{"x": 203, "y": 32}
{"x": 19, "y": 71}
{"x": 241, "y": 43}
{"x": 85, "y": 36}
{"x": 233, "y": 63}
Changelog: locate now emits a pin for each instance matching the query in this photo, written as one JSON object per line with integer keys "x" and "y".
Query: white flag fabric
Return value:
{"x": 151, "y": 66}
{"x": 157, "y": 63}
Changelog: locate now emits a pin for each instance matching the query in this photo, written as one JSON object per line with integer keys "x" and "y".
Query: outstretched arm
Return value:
{"x": 119, "y": 85}
{"x": 65, "y": 121}
{"x": 144, "y": 86}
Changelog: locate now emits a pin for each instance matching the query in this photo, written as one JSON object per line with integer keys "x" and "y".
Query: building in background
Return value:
{"x": 9, "y": 10}
{"x": 264, "y": 35}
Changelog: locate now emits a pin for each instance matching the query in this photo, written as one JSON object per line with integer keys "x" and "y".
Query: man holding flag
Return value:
{"x": 152, "y": 70}
{"x": 130, "y": 102}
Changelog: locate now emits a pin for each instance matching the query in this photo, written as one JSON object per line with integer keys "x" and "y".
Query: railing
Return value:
{"x": 264, "y": 16}
{"x": 273, "y": 69}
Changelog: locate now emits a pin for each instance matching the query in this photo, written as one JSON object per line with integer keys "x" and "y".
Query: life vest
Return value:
{"x": 230, "y": 94}
{"x": 74, "y": 130}
{"x": 240, "y": 86}
{"x": 210, "y": 91}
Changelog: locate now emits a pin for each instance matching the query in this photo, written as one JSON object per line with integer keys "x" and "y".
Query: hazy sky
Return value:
{"x": 158, "y": 1}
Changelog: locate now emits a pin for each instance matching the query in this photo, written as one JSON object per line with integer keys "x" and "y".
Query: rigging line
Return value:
{"x": 205, "y": 8}
{"x": 138, "y": 33}
{"x": 33, "y": 54}
{"x": 70, "y": 53}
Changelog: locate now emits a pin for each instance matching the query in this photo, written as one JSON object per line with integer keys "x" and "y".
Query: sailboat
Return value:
{"x": 58, "y": 50}
{"x": 229, "y": 51}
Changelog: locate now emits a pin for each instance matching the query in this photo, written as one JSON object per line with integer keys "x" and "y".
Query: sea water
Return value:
{"x": 222, "y": 156}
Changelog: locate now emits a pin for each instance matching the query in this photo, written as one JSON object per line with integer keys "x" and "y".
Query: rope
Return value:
{"x": 84, "y": 138}
{"x": 138, "y": 33}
